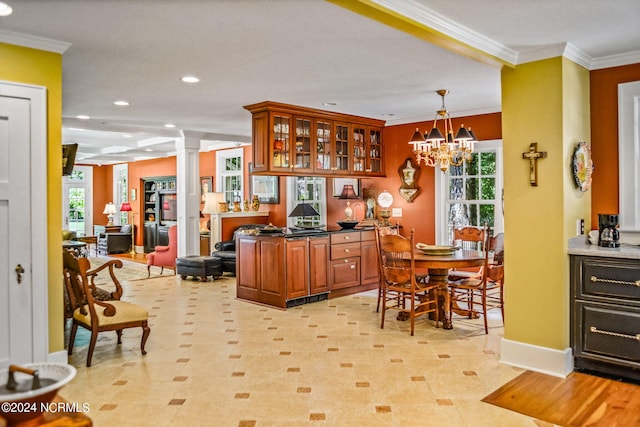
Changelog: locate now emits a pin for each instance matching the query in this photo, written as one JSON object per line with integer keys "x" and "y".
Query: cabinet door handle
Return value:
{"x": 595, "y": 279}
{"x": 346, "y": 251}
{"x": 346, "y": 237}
{"x": 614, "y": 334}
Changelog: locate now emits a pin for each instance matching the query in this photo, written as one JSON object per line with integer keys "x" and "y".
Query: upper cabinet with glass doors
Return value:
{"x": 292, "y": 140}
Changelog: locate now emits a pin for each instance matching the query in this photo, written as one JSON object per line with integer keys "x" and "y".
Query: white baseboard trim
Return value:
{"x": 558, "y": 363}
{"x": 58, "y": 357}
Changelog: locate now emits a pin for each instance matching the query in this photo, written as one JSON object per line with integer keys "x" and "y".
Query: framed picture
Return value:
{"x": 338, "y": 183}
{"x": 266, "y": 188}
{"x": 206, "y": 186}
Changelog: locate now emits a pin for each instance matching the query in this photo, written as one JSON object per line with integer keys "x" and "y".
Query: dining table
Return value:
{"x": 438, "y": 267}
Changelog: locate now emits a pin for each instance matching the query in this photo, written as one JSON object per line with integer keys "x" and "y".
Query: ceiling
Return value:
{"x": 303, "y": 52}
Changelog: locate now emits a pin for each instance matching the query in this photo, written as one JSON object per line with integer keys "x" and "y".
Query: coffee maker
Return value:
{"x": 609, "y": 236}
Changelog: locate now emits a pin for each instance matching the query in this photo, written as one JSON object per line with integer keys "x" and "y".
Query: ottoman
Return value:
{"x": 199, "y": 267}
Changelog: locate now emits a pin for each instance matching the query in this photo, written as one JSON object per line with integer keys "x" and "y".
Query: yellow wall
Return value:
{"x": 545, "y": 102}
{"x": 37, "y": 67}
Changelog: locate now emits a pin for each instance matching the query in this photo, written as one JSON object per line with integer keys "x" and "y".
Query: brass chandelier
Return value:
{"x": 436, "y": 150}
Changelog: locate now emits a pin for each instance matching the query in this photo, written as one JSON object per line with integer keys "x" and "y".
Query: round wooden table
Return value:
{"x": 438, "y": 266}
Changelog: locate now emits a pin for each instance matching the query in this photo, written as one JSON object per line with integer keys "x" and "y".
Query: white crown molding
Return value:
{"x": 34, "y": 42}
{"x": 429, "y": 18}
{"x": 616, "y": 60}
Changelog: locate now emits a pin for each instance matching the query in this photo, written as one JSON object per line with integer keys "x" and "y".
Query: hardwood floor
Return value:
{"x": 578, "y": 400}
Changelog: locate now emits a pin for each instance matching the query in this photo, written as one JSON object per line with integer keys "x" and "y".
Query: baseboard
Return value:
{"x": 58, "y": 357}
{"x": 558, "y": 363}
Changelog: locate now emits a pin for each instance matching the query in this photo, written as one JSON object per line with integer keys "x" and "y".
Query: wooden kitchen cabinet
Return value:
{"x": 293, "y": 140}
{"x": 280, "y": 271}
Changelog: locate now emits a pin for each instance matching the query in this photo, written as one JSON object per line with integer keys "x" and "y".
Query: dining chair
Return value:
{"x": 400, "y": 289}
{"x": 382, "y": 231}
{"x": 472, "y": 238}
{"x": 98, "y": 316}
{"x": 488, "y": 291}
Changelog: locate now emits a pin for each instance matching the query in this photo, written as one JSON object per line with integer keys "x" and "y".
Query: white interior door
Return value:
{"x": 23, "y": 284}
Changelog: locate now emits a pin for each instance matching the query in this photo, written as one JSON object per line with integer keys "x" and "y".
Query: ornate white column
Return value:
{"x": 188, "y": 184}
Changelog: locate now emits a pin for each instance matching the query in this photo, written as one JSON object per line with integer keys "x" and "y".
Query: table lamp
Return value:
{"x": 212, "y": 204}
{"x": 304, "y": 210}
{"x": 348, "y": 192}
{"x": 110, "y": 211}
{"x": 126, "y": 207}
{"x": 385, "y": 200}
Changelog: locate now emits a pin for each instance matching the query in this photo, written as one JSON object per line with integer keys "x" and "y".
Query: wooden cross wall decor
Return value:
{"x": 533, "y": 155}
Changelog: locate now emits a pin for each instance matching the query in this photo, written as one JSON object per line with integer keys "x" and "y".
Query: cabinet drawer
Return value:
{"x": 368, "y": 235}
{"x": 610, "y": 278}
{"x": 610, "y": 332}
{"x": 345, "y": 250}
{"x": 337, "y": 238}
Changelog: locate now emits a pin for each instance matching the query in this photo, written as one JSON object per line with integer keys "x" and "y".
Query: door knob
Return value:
{"x": 19, "y": 272}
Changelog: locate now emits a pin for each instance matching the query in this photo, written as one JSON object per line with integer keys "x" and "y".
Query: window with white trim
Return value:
{"x": 229, "y": 176}
{"x": 310, "y": 190}
{"x": 471, "y": 194}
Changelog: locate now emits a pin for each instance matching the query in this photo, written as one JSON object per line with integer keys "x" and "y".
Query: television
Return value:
{"x": 68, "y": 158}
{"x": 168, "y": 209}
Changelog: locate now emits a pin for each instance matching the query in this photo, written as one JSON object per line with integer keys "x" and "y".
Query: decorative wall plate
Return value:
{"x": 582, "y": 166}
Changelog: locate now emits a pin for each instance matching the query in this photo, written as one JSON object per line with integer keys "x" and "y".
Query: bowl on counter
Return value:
{"x": 593, "y": 237}
{"x": 348, "y": 224}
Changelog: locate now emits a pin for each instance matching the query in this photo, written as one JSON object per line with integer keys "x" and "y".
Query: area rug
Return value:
{"x": 578, "y": 400}
{"x": 130, "y": 270}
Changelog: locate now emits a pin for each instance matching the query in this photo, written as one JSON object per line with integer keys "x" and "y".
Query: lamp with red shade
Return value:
{"x": 126, "y": 207}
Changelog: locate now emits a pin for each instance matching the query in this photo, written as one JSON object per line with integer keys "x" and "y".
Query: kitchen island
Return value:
{"x": 292, "y": 268}
{"x": 605, "y": 308}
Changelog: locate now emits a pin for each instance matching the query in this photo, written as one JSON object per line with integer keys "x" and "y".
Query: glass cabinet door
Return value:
{"x": 359, "y": 150}
{"x": 302, "y": 147}
{"x": 281, "y": 144}
{"x": 342, "y": 148}
{"x": 324, "y": 146}
{"x": 374, "y": 151}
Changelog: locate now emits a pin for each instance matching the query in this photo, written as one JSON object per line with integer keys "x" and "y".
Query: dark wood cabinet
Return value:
{"x": 605, "y": 315}
{"x": 293, "y": 140}
{"x": 158, "y": 210}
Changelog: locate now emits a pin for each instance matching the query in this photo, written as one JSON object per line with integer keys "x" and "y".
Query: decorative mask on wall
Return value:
{"x": 409, "y": 173}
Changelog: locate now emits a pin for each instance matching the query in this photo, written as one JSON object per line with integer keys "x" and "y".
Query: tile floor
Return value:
{"x": 213, "y": 360}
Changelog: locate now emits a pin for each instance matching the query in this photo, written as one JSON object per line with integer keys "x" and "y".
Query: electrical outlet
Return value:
{"x": 579, "y": 227}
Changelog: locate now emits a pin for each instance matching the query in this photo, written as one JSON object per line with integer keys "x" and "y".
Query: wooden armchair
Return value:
{"x": 99, "y": 293}
{"x": 400, "y": 289}
{"x": 98, "y": 316}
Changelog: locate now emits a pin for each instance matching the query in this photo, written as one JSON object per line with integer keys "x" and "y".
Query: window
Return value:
{"x": 229, "y": 174}
{"x": 120, "y": 185}
{"x": 77, "y": 200}
{"x": 471, "y": 194}
{"x": 311, "y": 190}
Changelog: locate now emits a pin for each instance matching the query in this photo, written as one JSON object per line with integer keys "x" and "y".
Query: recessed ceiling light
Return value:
{"x": 190, "y": 79}
{"x": 169, "y": 125}
{"x": 5, "y": 9}
{"x": 83, "y": 117}
{"x": 329, "y": 104}
{"x": 388, "y": 114}
{"x": 121, "y": 103}
{"x": 126, "y": 135}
